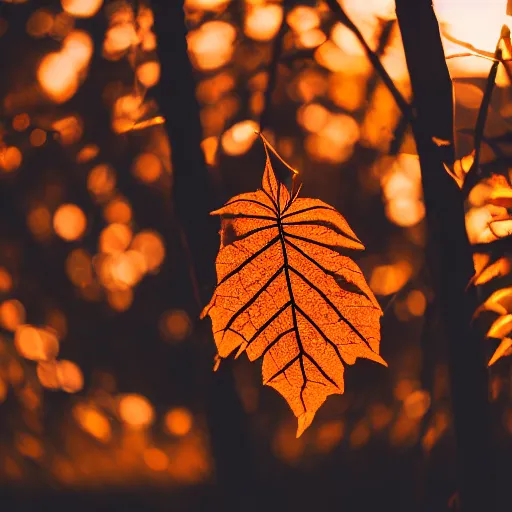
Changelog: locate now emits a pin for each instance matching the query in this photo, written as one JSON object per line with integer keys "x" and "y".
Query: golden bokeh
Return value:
{"x": 69, "y": 222}
{"x": 135, "y": 411}
{"x": 178, "y": 421}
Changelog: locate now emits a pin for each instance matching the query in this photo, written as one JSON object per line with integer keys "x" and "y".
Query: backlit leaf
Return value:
{"x": 499, "y": 268}
{"x": 502, "y": 350}
{"x": 501, "y": 327}
{"x": 500, "y": 302}
{"x": 287, "y": 293}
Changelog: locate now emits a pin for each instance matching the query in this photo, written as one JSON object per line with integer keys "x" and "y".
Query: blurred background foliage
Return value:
{"x": 102, "y": 369}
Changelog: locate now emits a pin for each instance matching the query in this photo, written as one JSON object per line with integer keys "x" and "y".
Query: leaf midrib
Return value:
{"x": 292, "y": 301}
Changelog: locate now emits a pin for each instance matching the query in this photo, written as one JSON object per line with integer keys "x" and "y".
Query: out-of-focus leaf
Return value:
{"x": 501, "y": 327}
{"x": 500, "y": 302}
{"x": 502, "y": 350}
{"x": 460, "y": 168}
{"x": 499, "y": 268}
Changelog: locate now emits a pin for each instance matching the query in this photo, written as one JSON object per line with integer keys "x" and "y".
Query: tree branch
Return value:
{"x": 193, "y": 200}
{"x": 342, "y": 16}
{"x": 449, "y": 253}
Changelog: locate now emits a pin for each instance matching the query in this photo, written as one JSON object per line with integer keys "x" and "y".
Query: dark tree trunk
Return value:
{"x": 194, "y": 198}
{"x": 449, "y": 251}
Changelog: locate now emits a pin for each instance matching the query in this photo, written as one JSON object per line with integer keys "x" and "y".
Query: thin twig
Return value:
{"x": 402, "y": 103}
{"x": 470, "y": 54}
{"x": 473, "y": 174}
{"x": 468, "y": 46}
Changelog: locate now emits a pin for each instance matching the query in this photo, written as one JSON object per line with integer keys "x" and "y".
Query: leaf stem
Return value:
{"x": 267, "y": 144}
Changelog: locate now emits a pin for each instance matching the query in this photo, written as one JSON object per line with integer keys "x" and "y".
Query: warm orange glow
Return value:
{"x": 78, "y": 46}
{"x": 36, "y": 344}
{"x": 115, "y": 238}
{"x": 239, "y": 138}
{"x": 329, "y": 435}
{"x": 70, "y": 377}
{"x": 56, "y": 322}
{"x": 39, "y": 221}
{"x": 207, "y": 5}
{"x": 209, "y": 147}
{"x": 3, "y": 390}
{"x": 127, "y": 111}
{"x": 175, "y": 325}
{"x": 285, "y": 444}
{"x": 335, "y": 140}
{"x": 21, "y": 122}
{"x": 304, "y": 344}
{"x": 136, "y": 411}
{"x": 118, "y": 211}
{"x": 69, "y": 222}
{"x": 63, "y": 23}
{"x": 93, "y": 421}
{"x": 10, "y": 158}
{"x": 57, "y": 76}
{"x": 12, "y": 314}
{"x": 148, "y": 73}
{"x": 416, "y": 302}
{"x": 69, "y": 129}
{"x": 5, "y": 280}
{"x": 313, "y": 117}
{"x": 360, "y": 435}
{"x": 29, "y": 446}
{"x": 405, "y": 212}
{"x": 312, "y": 38}
{"x": 127, "y": 269}
{"x": 402, "y": 189}
{"x": 37, "y": 137}
{"x": 380, "y": 416}
{"x": 388, "y": 279}
{"x": 156, "y": 459}
{"x": 211, "y": 90}
{"x": 40, "y": 23}
{"x": 417, "y": 404}
{"x": 403, "y": 388}
{"x": 118, "y": 39}
{"x": 120, "y": 300}
{"x": 263, "y": 21}
{"x": 81, "y": 8}
{"x": 211, "y": 45}
{"x": 79, "y": 268}
{"x": 150, "y": 245}
{"x": 47, "y": 375}
{"x": 346, "y": 40}
{"x": 101, "y": 181}
{"x": 147, "y": 167}
{"x": 87, "y": 153}
{"x": 178, "y": 422}
{"x": 480, "y": 25}
{"x": 303, "y": 18}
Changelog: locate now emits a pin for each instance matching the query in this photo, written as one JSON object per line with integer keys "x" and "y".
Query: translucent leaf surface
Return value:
{"x": 287, "y": 293}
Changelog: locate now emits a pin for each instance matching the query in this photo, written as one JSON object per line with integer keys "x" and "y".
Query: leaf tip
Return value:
{"x": 304, "y": 421}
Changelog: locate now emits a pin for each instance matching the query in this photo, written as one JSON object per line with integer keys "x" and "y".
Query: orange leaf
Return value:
{"x": 500, "y": 302}
{"x": 501, "y": 327}
{"x": 499, "y": 268}
{"x": 502, "y": 350}
{"x": 287, "y": 293}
